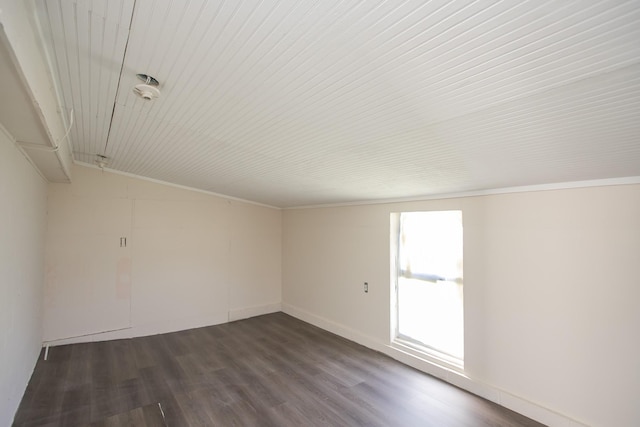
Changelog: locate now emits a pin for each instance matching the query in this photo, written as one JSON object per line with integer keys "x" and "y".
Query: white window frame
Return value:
{"x": 398, "y": 341}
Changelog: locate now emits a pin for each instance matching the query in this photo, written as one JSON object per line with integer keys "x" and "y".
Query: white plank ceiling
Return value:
{"x": 292, "y": 103}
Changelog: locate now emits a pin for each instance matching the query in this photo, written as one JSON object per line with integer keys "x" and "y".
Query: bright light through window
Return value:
{"x": 430, "y": 296}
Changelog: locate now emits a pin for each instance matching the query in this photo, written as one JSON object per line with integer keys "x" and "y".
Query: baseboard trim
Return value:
{"x": 166, "y": 327}
{"x": 143, "y": 330}
{"x": 258, "y": 310}
{"x": 479, "y": 388}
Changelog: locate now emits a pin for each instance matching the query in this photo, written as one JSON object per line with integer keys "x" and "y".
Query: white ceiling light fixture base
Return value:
{"x": 146, "y": 92}
{"x": 149, "y": 89}
{"x": 102, "y": 161}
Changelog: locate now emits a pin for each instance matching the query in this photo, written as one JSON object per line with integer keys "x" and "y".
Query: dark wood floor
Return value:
{"x": 271, "y": 370}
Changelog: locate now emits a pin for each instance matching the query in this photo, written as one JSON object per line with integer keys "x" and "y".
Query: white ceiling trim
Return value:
{"x": 631, "y": 180}
{"x": 171, "y": 184}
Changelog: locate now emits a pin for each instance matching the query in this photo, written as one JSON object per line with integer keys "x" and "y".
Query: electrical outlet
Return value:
{"x": 366, "y": 287}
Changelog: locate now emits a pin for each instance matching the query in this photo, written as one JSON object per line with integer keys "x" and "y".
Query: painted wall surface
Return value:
{"x": 552, "y": 284}
{"x": 22, "y": 217}
{"x": 191, "y": 259}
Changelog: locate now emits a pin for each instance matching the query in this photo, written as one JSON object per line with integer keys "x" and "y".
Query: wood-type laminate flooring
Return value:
{"x": 145, "y": 416}
{"x": 271, "y": 370}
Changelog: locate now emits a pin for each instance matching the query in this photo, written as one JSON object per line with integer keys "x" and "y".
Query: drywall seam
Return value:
{"x": 486, "y": 391}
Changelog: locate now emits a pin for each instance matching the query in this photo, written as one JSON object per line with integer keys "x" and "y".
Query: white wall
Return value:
{"x": 192, "y": 259}
{"x": 22, "y": 221}
{"x": 551, "y": 294}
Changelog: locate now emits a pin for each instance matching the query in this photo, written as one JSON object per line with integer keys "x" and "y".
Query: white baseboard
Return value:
{"x": 258, "y": 310}
{"x": 172, "y": 325}
{"x": 333, "y": 327}
{"x": 501, "y": 397}
{"x": 143, "y": 330}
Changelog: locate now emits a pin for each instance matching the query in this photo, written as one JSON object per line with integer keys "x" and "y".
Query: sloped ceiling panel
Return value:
{"x": 311, "y": 102}
{"x": 22, "y": 116}
{"x": 17, "y": 113}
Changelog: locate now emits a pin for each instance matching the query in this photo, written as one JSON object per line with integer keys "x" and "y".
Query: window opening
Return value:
{"x": 429, "y": 289}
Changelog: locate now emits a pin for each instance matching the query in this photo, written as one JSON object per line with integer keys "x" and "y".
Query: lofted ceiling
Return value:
{"x": 292, "y": 103}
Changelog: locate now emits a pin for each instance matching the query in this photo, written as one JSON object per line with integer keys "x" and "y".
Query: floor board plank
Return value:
{"x": 271, "y": 370}
{"x": 145, "y": 416}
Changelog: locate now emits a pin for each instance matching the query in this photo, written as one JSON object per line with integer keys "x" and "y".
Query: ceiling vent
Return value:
{"x": 148, "y": 90}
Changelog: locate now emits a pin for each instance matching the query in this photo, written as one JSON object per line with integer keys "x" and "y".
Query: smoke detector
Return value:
{"x": 147, "y": 90}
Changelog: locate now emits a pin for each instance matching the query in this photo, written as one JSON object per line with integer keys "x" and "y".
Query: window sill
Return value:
{"x": 429, "y": 355}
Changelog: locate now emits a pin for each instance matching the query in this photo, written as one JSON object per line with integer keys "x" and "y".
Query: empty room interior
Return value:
{"x": 292, "y": 213}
